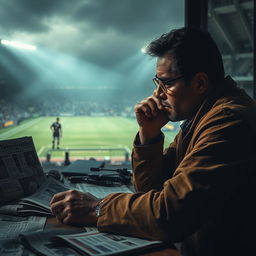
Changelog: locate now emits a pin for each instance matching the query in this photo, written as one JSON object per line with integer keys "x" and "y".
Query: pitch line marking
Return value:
{"x": 40, "y": 151}
{"x": 123, "y": 146}
{"x": 19, "y": 128}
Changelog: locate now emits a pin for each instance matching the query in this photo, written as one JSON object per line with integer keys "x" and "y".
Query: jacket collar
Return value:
{"x": 227, "y": 85}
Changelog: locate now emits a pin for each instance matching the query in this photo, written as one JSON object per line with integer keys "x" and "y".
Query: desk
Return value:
{"x": 164, "y": 250}
{"x": 14, "y": 248}
{"x": 52, "y": 222}
{"x": 54, "y": 226}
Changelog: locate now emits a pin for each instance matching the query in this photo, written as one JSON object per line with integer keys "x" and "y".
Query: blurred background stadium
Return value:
{"x": 58, "y": 60}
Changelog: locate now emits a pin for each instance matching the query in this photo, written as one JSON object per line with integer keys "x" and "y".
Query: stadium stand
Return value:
{"x": 231, "y": 24}
{"x": 13, "y": 113}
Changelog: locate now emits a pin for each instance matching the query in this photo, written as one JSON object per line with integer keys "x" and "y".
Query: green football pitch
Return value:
{"x": 80, "y": 133}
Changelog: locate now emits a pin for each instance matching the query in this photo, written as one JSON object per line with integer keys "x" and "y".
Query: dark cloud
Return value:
{"x": 137, "y": 17}
{"x": 30, "y": 15}
{"x": 100, "y": 31}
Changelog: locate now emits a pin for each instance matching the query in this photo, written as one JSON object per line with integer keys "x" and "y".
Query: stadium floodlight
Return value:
{"x": 19, "y": 45}
{"x": 143, "y": 49}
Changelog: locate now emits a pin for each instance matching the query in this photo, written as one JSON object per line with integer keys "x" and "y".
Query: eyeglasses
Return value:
{"x": 165, "y": 84}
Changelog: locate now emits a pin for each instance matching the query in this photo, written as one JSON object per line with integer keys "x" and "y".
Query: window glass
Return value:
{"x": 231, "y": 24}
{"x": 88, "y": 68}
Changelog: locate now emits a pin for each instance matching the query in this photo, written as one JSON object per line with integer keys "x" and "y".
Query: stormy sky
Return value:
{"x": 93, "y": 44}
{"x": 100, "y": 31}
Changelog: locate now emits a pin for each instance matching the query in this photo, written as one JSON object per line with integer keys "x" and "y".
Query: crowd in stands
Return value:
{"x": 15, "y": 112}
{"x": 80, "y": 108}
{"x": 12, "y": 113}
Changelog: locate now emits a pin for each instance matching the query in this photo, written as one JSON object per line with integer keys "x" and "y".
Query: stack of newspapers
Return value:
{"x": 25, "y": 190}
{"x": 37, "y": 203}
{"x": 85, "y": 243}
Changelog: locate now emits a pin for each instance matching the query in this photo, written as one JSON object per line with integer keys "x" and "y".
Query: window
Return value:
{"x": 230, "y": 22}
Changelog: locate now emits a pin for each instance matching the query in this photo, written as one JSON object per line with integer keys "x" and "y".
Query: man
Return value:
{"x": 56, "y": 133}
{"x": 199, "y": 191}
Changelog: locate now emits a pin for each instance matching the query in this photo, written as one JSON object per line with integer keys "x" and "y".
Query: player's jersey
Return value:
{"x": 56, "y": 129}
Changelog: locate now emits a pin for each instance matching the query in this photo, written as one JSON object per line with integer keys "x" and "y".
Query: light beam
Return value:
{"x": 19, "y": 45}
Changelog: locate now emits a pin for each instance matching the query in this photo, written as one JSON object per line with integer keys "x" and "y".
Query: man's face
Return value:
{"x": 181, "y": 100}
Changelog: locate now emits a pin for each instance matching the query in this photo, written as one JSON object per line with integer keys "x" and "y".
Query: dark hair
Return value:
{"x": 192, "y": 50}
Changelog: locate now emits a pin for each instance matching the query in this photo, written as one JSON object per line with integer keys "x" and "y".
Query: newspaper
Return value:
{"x": 37, "y": 203}
{"x": 96, "y": 243}
{"x": 10, "y": 209}
{"x": 102, "y": 191}
{"x": 12, "y": 226}
{"x": 50, "y": 243}
{"x": 41, "y": 243}
{"x": 21, "y": 173}
{"x": 41, "y": 199}
{"x": 10, "y": 247}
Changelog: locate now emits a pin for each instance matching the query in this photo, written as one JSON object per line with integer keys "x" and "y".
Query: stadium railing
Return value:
{"x": 126, "y": 152}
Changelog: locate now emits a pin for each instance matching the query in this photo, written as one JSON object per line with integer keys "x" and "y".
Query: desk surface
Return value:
{"x": 158, "y": 251}
{"x": 52, "y": 222}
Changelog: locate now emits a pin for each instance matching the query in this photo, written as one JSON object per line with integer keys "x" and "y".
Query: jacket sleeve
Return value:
{"x": 215, "y": 167}
{"x": 151, "y": 165}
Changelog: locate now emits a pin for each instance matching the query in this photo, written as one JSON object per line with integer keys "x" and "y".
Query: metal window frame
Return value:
{"x": 196, "y": 14}
{"x": 254, "y": 50}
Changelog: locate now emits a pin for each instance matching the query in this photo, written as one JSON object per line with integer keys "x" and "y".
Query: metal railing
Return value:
{"x": 125, "y": 150}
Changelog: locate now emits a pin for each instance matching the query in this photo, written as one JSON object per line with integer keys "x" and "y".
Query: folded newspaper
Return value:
{"x": 24, "y": 187}
{"x": 96, "y": 243}
{"x": 37, "y": 203}
{"x": 12, "y": 226}
{"x": 41, "y": 242}
{"x": 87, "y": 243}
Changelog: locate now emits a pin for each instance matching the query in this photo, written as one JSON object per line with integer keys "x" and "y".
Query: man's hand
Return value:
{"x": 74, "y": 207}
{"x": 151, "y": 117}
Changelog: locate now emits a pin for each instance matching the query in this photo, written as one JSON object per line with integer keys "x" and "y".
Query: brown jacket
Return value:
{"x": 201, "y": 189}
